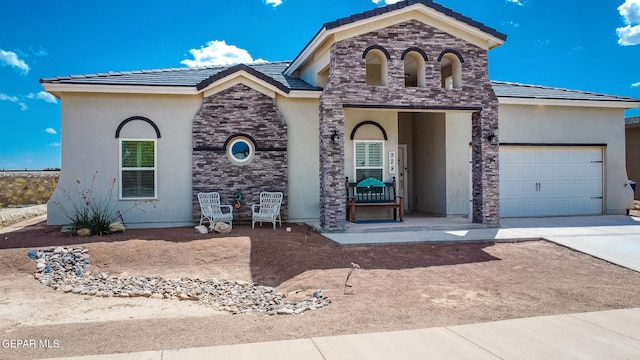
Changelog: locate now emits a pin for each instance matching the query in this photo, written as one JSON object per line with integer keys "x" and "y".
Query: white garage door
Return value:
{"x": 550, "y": 181}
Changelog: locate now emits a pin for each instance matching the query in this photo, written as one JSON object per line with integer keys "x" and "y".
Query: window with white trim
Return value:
{"x": 369, "y": 159}
{"x": 138, "y": 169}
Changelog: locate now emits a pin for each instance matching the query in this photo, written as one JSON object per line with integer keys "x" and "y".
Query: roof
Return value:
{"x": 633, "y": 121}
{"x": 198, "y": 78}
{"x": 516, "y": 90}
{"x": 402, "y": 4}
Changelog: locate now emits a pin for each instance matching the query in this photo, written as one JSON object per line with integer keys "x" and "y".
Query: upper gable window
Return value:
{"x": 377, "y": 71}
{"x": 414, "y": 65}
{"x": 450, "y": 70}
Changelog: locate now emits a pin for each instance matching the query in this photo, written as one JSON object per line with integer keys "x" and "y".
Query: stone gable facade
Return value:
{"x": 347, "y": 88}
{"x": 246, "y": 113}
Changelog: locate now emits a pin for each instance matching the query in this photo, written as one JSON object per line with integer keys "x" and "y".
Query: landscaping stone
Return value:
{"x": 66, "y": 269}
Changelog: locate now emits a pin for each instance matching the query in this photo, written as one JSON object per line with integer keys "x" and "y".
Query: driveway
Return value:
{"x": 614, "y": 238}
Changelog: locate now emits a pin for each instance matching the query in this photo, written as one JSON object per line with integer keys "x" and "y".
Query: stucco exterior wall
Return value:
{"x": 301, "y": 116}
{"x": 458, "y": 174}
{"x": 574, "y": 125}
{"x": 90, "y": 154}
{"x": 632, "y": 141}
{"x": 429, "y": 173}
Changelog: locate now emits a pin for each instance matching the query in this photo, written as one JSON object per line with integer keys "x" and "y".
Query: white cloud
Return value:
{"x": 9, "y": 58}
{"x": 4, "y": 97}
{"x": 44, "y": 96}
{"x": 385, "y": 2}
{"x": 636, "y": 84}
{"x": 629, "y": 34}
{"x": 516, "y": 2}
{"x": 51, "y": 131}
{"x": 13, "y": 99}
{"x": 219, "y": 53}
{"x": 55, "y": 144}
{"x": 273, "y": 2}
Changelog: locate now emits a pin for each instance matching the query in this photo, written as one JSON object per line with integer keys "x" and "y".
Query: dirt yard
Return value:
{"x": 398, "y": 287}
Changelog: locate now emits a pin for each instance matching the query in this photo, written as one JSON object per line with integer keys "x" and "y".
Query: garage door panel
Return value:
{"x": 562, "y": 171}
{"x": 550, "y": 181}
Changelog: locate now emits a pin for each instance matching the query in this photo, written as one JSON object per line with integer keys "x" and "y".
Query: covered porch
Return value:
{"x": 427, "y": 152}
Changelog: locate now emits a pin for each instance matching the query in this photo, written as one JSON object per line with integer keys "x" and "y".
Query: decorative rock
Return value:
{"x": 202, "y": 229}
{"x": 65, "y": 270}
{"x": 115, "y": 227}
{"x": 221, "y": 227}
{"x": 83, "y": 232}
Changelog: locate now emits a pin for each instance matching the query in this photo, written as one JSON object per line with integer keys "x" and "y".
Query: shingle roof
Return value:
{"x": 402, "y": 4}
{"x": 517, "y": 90}
{"x": 187, "y": 77}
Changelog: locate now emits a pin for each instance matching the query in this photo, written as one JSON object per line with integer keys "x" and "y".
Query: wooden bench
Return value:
{"x": 373, "y": 197}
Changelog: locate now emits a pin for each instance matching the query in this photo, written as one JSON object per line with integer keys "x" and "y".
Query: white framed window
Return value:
{"x": 240, "y": 150}
{"x": 369, "y": 160}
{"x": 138, "y": 169}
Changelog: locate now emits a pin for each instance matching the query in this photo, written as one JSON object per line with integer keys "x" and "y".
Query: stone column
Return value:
{"x": 332, "y": 192}
{"x": 485, "y": 170}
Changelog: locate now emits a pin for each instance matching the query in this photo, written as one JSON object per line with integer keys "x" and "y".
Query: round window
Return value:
{"x": 240, "y": 150}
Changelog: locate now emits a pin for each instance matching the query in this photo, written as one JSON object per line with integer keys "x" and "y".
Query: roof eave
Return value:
{"x": 58, "y": 88}
{"x": 616, "y": 104}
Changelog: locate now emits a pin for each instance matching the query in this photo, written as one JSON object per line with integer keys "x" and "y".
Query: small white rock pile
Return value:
{"x": 68, "y": 269}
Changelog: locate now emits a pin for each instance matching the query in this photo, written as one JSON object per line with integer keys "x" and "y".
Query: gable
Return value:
{"x": 314, "y": 55}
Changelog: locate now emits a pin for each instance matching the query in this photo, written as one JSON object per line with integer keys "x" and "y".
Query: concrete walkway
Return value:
{"x": 611, "y": 334}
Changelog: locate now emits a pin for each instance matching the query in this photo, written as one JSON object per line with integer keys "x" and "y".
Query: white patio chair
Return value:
{"x": 212, "y": 210}
{"x": 268, "y": 210}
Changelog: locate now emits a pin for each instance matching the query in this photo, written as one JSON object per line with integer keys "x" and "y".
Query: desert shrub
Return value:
{"x": 89, "y": 211}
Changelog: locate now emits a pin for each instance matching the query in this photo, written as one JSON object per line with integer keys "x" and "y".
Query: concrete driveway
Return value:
{"x": 614, "y": 238}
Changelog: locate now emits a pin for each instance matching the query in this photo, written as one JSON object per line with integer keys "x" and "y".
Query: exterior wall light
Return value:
{"x": 493, "y": 139}
{"x": 335, "y": 138}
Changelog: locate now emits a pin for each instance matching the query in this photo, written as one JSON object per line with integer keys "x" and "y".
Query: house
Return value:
{"x": 401, "y": 91}
{"x": 632, "y": 139}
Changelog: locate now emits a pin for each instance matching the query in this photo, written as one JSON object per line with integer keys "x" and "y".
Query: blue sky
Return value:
{"x": 591, "y": 45}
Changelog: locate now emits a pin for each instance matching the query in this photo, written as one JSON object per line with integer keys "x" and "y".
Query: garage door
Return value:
{"x": 550, "y": 181}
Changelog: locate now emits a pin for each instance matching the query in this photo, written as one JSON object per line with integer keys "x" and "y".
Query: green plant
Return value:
{"x": 89, "y": 211}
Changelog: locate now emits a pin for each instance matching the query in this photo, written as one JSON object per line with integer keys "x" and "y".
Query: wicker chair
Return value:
{"x": 268, "y": 210}
{"x": 212, "y": 210}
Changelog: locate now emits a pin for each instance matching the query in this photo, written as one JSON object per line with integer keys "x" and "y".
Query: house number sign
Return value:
{"x": 392, "y": 162}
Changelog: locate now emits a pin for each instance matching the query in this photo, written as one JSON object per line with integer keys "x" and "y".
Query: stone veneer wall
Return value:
{"x": 239, "y": 110}
{"x": 347, "y": 86}
{"x": 27, "y": 187}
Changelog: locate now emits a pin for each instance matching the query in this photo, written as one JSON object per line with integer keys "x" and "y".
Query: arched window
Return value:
{"x": 451, "y": 69}
{"x": 414, "y": 63}
{"x": 376, "y": 66}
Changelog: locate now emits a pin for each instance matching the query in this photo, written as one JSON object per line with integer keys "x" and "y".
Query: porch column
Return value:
{"x": 332, "y": 192}
{"x": 485, "y": 167}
